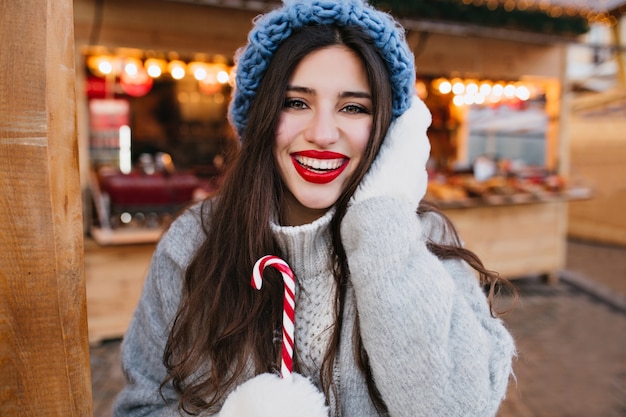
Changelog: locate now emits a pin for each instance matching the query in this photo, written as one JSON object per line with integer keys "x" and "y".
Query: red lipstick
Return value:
{"x": 319, "y": 167}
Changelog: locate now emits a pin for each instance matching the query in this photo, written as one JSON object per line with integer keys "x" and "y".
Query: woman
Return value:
{"x": 390, "y": 319}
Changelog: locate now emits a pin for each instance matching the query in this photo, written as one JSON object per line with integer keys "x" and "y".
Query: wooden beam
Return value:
{"x": 44, "y": 350}
{"x": 161, "y": 26}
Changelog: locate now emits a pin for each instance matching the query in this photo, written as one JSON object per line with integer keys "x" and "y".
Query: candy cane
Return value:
{"x": 289, "y": 304}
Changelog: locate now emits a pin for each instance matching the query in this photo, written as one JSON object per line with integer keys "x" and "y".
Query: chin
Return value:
{"x": 318, "y": 204}
{"x": 318, "y": 207}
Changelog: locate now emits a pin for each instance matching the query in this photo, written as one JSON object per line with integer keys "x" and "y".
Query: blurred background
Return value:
{"x": 528, "y": 148}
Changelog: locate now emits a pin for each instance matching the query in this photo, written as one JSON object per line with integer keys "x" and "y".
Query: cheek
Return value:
{"x": 280, "y": 131}
{"x": 284, "y": 133}
{"x": 360, "y": 139}
{"x": 282, "y": 144}
{"x": 358, "y": 144}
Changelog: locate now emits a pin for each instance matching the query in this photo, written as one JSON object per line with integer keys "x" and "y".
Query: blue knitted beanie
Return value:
{"x": 271, "y": 29}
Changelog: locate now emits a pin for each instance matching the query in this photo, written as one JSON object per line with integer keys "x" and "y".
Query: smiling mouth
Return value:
{"x": 319, "y": 170}
{"x": 320, "y": 165}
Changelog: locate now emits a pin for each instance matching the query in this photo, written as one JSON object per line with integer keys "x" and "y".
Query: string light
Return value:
{"x": 497, "y": 90}
{"x": 101, "y": 64}
{"x": 522, "y": 92}
{"x": 445, "y": 87}
{"x": 177, "y": 69}
{"x": 105, "y": 67}
{"x": 471, "y": 91}
{"x": 485, "y": 89}
{"x": 223, "y": 77}
{"x": 471, "y": 88}
{"x": 509, "y": 91}
{"x": 155, "y": 67}
{"x": 458, "y": 87}
{"x": 129, "y": 64}
{"x": 594, "y": 12}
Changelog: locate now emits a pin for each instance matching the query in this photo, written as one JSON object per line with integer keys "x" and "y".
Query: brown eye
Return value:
{"x": 354, "y": 109}
{"x": 294, "y": 103}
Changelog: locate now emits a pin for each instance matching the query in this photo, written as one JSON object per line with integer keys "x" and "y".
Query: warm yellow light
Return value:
{"x": 509, "y": 91}
{"x": 131, "y": 66}
{"x": 471, "y": 88}
{"x": 458, "y": 88}
{"x": 445, "y": 87}
{"x": 101, "y": 64}
{"x": 458, "y": 101}
{"x": 155, "y": 67}
{"x": 154, "y": 71}
{"x": 485, "y": 89}
{"x": 200, "y": 73}
{"x": 198, "y": 69}
{"x": 522, "y": 92}
{"x": 131, "y": 69}
{"x": 223, "y": 77}
{"x": 105, "y": 66}
{"x": 177, "y": 69}
{"x": 471, "y": 91}
{"x": 497, "y": 90}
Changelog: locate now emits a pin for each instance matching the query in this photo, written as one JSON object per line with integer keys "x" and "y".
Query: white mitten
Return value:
{"x": 399, "y": 170}
{"x": 267, "y": 395}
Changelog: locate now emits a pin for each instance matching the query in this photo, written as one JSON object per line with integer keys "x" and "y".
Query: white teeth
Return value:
{"x": 320, "y": 164}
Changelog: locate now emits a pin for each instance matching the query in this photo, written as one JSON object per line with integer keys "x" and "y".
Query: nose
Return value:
{"x": 323, "y": 129}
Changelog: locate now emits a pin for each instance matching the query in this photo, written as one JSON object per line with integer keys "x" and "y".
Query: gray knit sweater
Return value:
{"x": 434, "y": 348}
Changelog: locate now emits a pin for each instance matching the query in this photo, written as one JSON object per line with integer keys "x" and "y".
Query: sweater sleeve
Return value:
{"x": 144, "y": 341}
{"x": 433, "y": 346}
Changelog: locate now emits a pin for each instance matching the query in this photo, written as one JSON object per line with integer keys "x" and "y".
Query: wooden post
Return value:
{"x": 44, "y": 350}
{"x": 619, "y": 55}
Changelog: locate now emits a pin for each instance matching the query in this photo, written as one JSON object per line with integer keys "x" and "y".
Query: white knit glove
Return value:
{"x": 267, "y": 395}
{"x": 399, "y": 170}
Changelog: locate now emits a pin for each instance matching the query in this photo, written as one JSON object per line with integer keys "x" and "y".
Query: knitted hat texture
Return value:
{"x": 271, "y": 29}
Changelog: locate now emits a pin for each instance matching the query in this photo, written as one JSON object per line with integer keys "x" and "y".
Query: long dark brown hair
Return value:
{"x": 223, "y": 327}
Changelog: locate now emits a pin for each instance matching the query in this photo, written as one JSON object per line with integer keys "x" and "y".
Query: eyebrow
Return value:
{"x": 344, "y": 94}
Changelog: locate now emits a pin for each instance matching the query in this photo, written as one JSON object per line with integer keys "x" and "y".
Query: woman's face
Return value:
{"x": 322, "y": 132}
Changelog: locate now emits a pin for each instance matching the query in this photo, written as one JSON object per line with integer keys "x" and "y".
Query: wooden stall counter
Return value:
{"x": 114, "y": 279}
{"x": 516, "y": 225}
{"x": 515, "y": 240}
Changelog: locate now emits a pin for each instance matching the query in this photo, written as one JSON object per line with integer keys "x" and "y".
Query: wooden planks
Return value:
{"x": 167, "y": 26}
{"x": 114, "y": 280}
{"x": 44, "y": 352}
{"x": 598, "y": 155}
{"x": 515, "y": 241}
{"x": 491, "y": 58}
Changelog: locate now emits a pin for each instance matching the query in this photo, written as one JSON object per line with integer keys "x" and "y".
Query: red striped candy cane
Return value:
{"x": 289, "y": 305}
